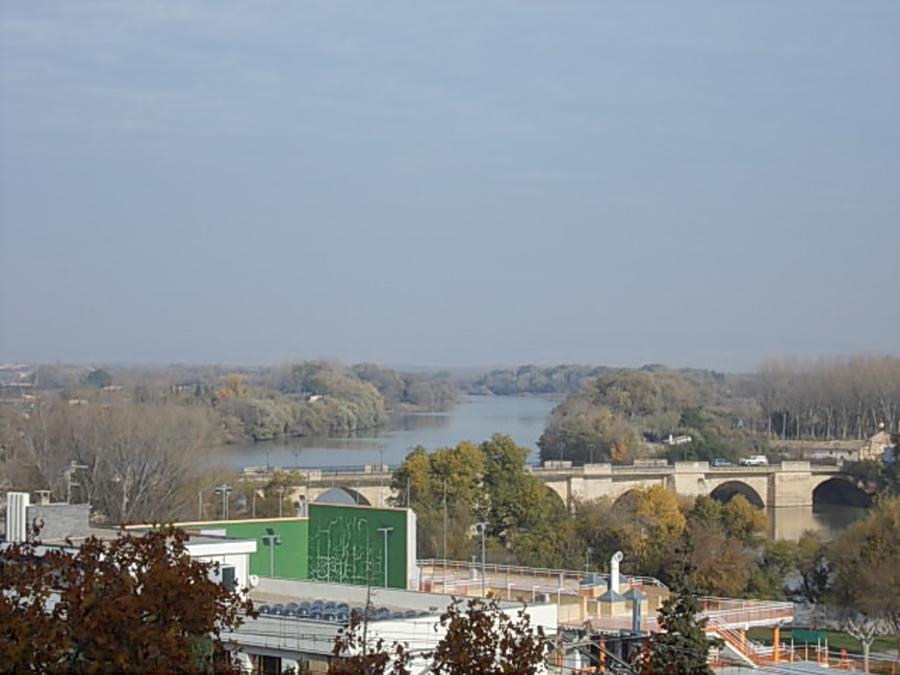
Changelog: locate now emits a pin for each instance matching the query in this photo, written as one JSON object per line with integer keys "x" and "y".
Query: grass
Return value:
{"x": 837, "y": 640}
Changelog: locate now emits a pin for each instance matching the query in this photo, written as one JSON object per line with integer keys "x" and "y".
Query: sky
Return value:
{"x": 449, "y": 183}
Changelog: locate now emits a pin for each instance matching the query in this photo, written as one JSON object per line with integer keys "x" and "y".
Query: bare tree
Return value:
{"x": 865, "y": 629}
{"x": 134, "y": 461}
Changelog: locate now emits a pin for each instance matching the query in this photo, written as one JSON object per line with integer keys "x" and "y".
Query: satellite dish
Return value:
{"x": 253, "y": 581}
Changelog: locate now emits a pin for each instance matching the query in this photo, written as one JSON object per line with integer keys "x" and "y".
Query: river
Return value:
{"x": 475, "y": 418}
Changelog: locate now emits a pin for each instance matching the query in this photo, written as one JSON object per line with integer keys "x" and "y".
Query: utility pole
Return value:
{"x": 482, "y": 526}
{"x": 199, "y": 506}
{"x": 385, "y": 532}
{"x": 445, "y": 521}
{"x": 254, "y": 504}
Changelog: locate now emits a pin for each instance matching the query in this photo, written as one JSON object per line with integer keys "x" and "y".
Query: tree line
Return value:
{"x": 848, "y": 398}
{"x": 311, "y": 398}
{"x": 624, "y": 414}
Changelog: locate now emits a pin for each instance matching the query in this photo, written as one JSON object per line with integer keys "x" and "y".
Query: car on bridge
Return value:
{"x": 755, "y": 460}
{"x": 721, "y": 462}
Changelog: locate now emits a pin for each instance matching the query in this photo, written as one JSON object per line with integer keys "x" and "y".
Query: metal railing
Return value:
{"x": 504, "y": 571}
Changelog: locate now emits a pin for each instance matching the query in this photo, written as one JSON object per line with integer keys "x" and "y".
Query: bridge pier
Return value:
{"x": 689, "y": 479}
{"x": 792, "y": 486}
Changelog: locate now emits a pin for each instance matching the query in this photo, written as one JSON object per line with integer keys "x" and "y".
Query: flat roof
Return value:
{"x": 112, "y": 533}
{"x": 282, "y": 591}
{"x": 214, "y": 523}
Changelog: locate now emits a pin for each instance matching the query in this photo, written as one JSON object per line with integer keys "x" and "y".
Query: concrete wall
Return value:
{"x": 60, "y": 520}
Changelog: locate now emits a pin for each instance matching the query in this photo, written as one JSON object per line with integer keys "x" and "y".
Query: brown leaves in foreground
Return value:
{"x": 133, "y": 604}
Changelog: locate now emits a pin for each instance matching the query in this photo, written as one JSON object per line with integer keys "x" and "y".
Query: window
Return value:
{"x": 229, "y": 579}
{"x": 267, "y": 665}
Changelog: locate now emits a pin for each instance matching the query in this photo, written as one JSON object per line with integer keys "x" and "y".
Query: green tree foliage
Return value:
{"x": 814, "y": 569}
{"x": 683, "y": 648}
{"x": 490, "y": 483}
{"x": 310, "y": 399}
{"x": 645, "y": 524}
{"x": 522, "y": 513}
{"x": 529, "y": 379}
{"x": 583, "y": 432}
{"x": 728, "y": 541}
{"x": 408, "y": 391}
{"x": 611, "y": 417}
{"x": 866, "y": 562}
{"x": 134, "y": 604}
{"x": 448, "y": 477}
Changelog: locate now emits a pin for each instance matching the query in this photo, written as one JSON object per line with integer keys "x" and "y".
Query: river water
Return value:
{"x": 475, "y": 419}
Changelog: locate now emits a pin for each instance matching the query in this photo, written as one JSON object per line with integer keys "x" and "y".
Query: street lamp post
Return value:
{"x": 223, "y": 490}
{"x": 381, "y": 474}
{"x": 482, "y": 526}
{"x": 280, "y": 500}
{"x": 385, "y": 532}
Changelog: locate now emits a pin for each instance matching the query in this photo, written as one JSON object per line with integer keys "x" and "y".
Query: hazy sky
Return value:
{"x": 449, "y": 183}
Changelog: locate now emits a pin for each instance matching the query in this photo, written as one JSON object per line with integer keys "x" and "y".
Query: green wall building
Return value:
{"x": 335, "y": 543}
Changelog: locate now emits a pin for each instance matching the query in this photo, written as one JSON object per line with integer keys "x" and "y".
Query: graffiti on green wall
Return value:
{"x": 351, "y": 545}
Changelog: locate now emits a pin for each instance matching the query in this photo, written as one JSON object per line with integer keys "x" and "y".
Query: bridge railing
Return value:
{"x": 326, "y": 471}
{"x": 499, "y": 570}
{"x": 721, "y": 613}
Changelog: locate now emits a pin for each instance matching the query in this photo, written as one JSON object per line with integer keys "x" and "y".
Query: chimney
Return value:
{"x": 614, "y": 571}
{"x": 16, "y": 516}
{"x": 43, "y": 496}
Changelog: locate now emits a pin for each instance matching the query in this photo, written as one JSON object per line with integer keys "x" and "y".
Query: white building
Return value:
{"x": 299, "y": 621}
{"x": 62, "y": 521}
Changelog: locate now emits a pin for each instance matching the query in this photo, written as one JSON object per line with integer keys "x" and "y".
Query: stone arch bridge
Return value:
{"x": 788, "y": 484}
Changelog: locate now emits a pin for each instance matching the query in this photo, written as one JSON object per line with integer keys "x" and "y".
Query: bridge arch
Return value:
{"x": 730, "y": 489}
{"x": 560, "y": 488}
{"x": 628, "y": 496}
{"x": 341, "y": 494}
{"x": 838, "y": 491}
{"x": 557, "y": 499}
